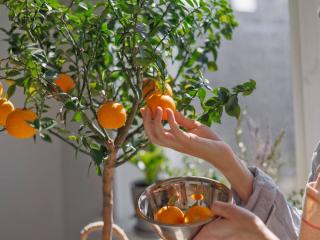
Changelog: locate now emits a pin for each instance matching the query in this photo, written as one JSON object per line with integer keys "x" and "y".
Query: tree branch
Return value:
{"x": 181, "y": 66}
{"x": 175, "y": 27}
{"x": 123, "y": 133}
{"x": 128, "y": 157}
{"x": 68, "y": 142}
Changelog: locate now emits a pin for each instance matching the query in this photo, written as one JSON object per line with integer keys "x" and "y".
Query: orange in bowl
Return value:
{"x": 197, "y": 214}
{"x": 169, "y": 215}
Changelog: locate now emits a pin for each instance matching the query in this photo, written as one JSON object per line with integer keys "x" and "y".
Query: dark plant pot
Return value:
{"x": 137, "y": 187}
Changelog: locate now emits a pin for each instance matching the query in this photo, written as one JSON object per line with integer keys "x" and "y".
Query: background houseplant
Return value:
{"x": 152, "y": 162}
{"x": 107, "y": 49}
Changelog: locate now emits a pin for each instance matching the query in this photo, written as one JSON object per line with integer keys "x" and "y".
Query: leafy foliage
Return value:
{"x": 152, "y": 161}
{"x": 108, "y": 48}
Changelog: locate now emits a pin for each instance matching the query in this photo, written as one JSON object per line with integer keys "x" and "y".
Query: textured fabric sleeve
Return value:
{"x": 315, "y": 164}
{"x": 270, "y": 205}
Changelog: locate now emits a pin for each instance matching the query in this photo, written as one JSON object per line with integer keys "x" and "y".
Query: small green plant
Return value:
{"x": 152, "y": 161}
{"x": 295, "y": 198}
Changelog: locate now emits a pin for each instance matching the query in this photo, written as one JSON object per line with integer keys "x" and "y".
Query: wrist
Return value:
{"x": 240, "y": 178}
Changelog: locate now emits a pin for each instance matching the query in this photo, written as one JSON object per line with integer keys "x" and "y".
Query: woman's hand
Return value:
{"x": 238, "y": 224}
{"x": 200, "y": 141}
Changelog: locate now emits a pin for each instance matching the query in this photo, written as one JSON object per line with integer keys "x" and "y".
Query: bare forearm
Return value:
{"x": 239, "y": 176}
{"x": 241, "y": 180}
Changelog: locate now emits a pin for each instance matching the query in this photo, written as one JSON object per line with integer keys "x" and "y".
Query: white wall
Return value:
{"x": 305, "y": 32}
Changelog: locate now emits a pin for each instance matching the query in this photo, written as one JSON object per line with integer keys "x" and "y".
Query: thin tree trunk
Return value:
{"x": 108, "y": 173}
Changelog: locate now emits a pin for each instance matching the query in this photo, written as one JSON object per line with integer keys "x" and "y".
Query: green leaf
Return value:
{"x": 45, "y": 137}
{"x": 77, "y": 117}
{"x": 71, "y": 105}
{"x": 73, "y": 138}
{"x": 246, "y": 88}
{"x": 212, "y": 66}
{"x": 223, "y": 94}
{"x": 11, "y": 90}
{"x": 232, "y": 107}
{"x": 97, "y": 156}
{"x": 205, "y": 119}
{"x": 98, "y": 171}
{"x": 13, "y": 73}
{"x": 202, "y": 94}
{"x": 47, "y": 123}
{"x": 83, "y": 5}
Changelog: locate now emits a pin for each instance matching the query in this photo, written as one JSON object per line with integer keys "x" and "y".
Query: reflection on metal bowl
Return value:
{"x": 182, "y": 190}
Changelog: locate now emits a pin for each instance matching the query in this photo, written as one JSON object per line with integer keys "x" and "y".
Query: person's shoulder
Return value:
{"x": 315, "y": 162}
{"x": 317, "y": 149}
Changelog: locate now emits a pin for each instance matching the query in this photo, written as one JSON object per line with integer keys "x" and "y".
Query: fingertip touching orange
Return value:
{"x": 150, "y": 87}
{"x": 6, "y": 107}
{"x": 65, "y": 82}
{"x": 197, "y": 214}
{"x": 112, "y": 115}
{"x": 169, "y": 215}
{"x": 18, "y": 125}
{"x": 163, "y": 101}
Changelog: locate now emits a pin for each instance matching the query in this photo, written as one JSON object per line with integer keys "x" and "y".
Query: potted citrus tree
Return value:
{"x": 94, "y": 60}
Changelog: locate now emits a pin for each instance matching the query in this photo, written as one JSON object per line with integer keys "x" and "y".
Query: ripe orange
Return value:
{"x": 150, "y": 87}
{"x": 1, "y": 89}
{"x": 197, "y": 214}
{"x": 169, "y": 215}
{"x": 17, "y": 123}
{"x": 163, "y": 101}
{"x": 65, "y": 82}
{"x": 197, "y": 196}
{"x": 6, "y": 107}
{"x": 112, "y": 115}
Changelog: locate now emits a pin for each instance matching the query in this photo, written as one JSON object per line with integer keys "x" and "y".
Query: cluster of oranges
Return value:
{"x": 174, "y": 215}
{"x": 110, "y": 115}
{"x": 16, "y": 120}
{"x": 158, "y": 95}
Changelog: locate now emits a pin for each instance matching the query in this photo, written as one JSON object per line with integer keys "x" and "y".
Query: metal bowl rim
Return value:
{"x": 178, "y": 179}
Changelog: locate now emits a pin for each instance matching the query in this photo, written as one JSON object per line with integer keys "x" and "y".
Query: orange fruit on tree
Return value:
{"x": 6, "y": 107}
{"x": 17, "y": 123}
{"x": 150, "y": 87}
{"x": 1, "y": 89}
{"x": 169, "y": 215}
{"x": 197, "y": 214}
{"x": 163, "y": 101}
{"x": 65, "y": 82}
{"x": 112, "y": 115}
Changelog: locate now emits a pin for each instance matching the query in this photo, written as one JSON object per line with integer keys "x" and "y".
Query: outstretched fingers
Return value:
{"x": 174, "y": 127}
{"x": 148, "y": 123}
{"x": 163, "y": 137}
{"x": 187, "y": 123}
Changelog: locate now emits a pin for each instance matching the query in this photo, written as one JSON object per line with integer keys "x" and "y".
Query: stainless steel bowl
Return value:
{"x": 180, "y": 190}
